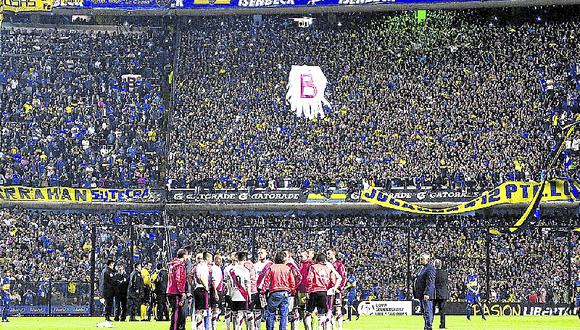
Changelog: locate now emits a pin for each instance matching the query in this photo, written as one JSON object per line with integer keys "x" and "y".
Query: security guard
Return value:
{"x": 146, "y": 303}
{"x": 135, "y": 292}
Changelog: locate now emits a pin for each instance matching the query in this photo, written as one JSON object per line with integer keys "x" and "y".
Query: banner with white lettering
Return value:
{"x": 385, "y": 308}
{"x": 229, "y": 197}
{"x": 504, "y": 309}
{"x": 132, "y": 80}
{"x": 222, "y": 4}
{"x": 306, "y": 86}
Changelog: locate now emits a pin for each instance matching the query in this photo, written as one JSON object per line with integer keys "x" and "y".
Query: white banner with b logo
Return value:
{"x": 385, "y": 308}
{"x": 306, "y": 86}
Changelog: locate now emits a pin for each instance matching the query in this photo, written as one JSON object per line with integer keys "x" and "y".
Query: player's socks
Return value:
{"x": 227, "y": 318}
{"x": 143, "y": 312}
{"x": 295, "y": 325}
{"x": 330, "y": 320}
{"x": 214, "y": 319}
{"x": 257, "y": 319}
{"x": 482, "y": 312}
{"x": 308, "y": 322}
{"x": 339, "y": 320}
{"x": 322, "y": 324}
{"x": 199, "y": 324}
{"x": 250, "y": 324}
{"x": 207, "y": 319}
{"x": 468, "y": 312}
{"x": 237, "y": 320}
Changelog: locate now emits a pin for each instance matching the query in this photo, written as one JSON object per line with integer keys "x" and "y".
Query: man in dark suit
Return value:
{"x": 107, "y": 288}
{"x": 424, "y": 289}
{"x": 441, "y": 291}
{"x": 160, "y": 282}
{"x": 121, "y": 285}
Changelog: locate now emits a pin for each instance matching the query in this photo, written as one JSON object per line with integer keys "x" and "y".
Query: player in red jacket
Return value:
{"x": 335, "y": 299}
{"x": 306, "y": 262}
{"x": 177, "y": 290}
{"x": 262, "y": 267}
{"x": 280, "y": 283}
{"x": 293, "y": 315}
{"x": 318, "y": 282}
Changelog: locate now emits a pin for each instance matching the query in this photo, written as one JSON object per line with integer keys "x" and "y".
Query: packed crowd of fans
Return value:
{"x": 39, "y": 246}
{"x": 464, "y": 98}
{"x": 83, "y": 108}
{"x": 511, "y": 256}
{"x": 42, "y": 246}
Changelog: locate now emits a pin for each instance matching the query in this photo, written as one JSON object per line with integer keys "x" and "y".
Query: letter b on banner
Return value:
{"x": 307, "y": 88}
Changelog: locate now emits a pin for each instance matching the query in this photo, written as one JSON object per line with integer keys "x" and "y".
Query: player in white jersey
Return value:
{"x": 228, "y": 300}
{"x": 293, "y": 313}
{"x": 254, "y": 297}
{"x": 201, "y": 292}
{"x": 216, "y": 285}
{"x": 238, "y": 287}
{"x": 262, "y": 266}
{"x": 335, "y": 281}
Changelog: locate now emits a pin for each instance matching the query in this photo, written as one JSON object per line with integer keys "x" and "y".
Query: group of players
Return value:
{"x": 249, "y": 292}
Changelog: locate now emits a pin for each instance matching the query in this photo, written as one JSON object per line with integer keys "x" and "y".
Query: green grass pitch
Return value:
{"x": 365, "y": 323}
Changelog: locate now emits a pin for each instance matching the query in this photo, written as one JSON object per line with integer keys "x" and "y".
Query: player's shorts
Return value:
{"x": 472, "y": 298}
{"x": 338, "y": 300}
{"x": 577, "y": 302}
{"x": 317, "y": 301}
{"x": 292, "y": 303}
{"x": 201, "y": 299}
{"x": 259, "y": 301}
{"x": 350, "y": 300}
{"x": 221, "y": 304}
{"x": 301, "y": 299}
{"x": 227, "y": 302}
{"x": 240, "y": 306}
{"x": 213, "y": 301}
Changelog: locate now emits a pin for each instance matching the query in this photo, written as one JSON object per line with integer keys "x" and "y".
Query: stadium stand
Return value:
{"x": 91, "y": 103}
{"x": 467, "y": 100}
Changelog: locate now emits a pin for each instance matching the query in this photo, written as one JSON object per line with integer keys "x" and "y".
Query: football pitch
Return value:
{"x": 365, "y": 323}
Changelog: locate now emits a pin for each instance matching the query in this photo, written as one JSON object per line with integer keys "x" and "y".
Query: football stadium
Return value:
{"x": 289, "y": 164}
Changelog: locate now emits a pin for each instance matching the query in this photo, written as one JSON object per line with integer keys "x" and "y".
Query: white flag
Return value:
{"x": 306, "y": 86}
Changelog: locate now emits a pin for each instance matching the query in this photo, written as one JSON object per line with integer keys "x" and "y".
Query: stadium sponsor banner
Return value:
{"x": 69, "y": 3}
{"x": 128, "y": 4}
{"x": 336, "y": 197}
{"x": 385, "y": 308}
{"x": 27, "y": 5}
{"x": 504, "y": 309}
{"x": 79, "y": 195}
{"x": 510, "y": 192}
{"x": 298, "y": 3}
{"x": 29, "y": 310}
{"x": 240, "y": 197}
{"x": 70, "y": 310}
{"x": 431, "y": 196}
